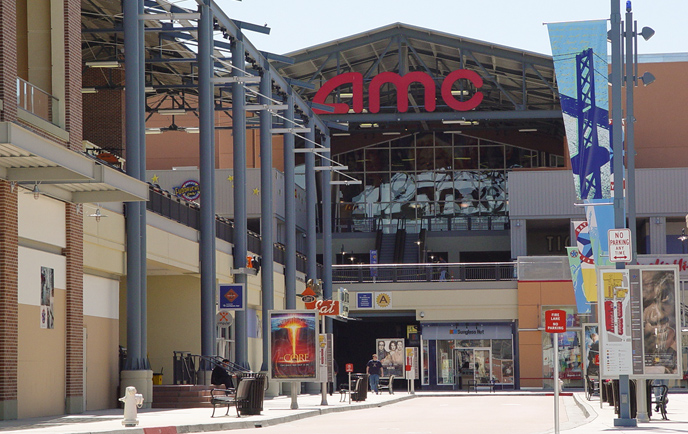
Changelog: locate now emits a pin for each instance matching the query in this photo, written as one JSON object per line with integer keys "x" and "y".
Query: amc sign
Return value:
{"x": 402, "y": 83}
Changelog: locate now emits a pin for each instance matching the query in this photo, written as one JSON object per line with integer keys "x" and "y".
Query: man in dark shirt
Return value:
{"x": 374, "y": 370}
{"x": 221, "y": 376}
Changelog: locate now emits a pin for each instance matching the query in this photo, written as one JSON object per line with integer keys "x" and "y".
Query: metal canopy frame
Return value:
{"x": 518, "y": 85}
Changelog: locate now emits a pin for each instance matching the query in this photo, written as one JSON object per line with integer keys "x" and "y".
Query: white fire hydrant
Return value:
{"x": 132, "y": 401}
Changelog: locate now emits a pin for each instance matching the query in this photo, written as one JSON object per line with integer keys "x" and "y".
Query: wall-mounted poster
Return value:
{"x": 47, "y": 298}
{"x": 660, "y": 312}
{"x": 293, "y": 345}
{"x": 392, "y": 355}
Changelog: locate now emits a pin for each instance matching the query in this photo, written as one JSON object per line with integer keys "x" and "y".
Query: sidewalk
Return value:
{"x": 578, "y": 416}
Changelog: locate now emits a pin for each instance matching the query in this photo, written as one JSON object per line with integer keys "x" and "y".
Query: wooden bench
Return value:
{"x": 231, "y": 397}
{"x": 387, "y": 383}
{"x": 660, "y": 398}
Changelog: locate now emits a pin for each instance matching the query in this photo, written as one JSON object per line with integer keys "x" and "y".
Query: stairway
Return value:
{"x": 386, "y": 254}
{"x": 181, "y": 396}
{"x": 411, "y": 250}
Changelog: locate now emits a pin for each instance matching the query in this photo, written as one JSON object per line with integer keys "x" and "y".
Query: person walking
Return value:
{"x": 374, "y": 370}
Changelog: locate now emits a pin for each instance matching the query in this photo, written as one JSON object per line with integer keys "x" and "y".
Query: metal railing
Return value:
{"x": 433, "y": 272}
{"x": 432, "y": 223}
{"x": 37, "y": 101}
{"x": 186, "y": 367}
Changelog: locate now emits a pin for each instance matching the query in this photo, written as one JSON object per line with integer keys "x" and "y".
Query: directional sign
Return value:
{"x": 620, "y": 248}
{"x": 555, "y": 321}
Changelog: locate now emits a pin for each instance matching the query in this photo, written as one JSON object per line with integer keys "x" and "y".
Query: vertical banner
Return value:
{"x": 373, "y": 261}
{"x": 591, "y": 354}
{"x": 585, "y": 255}
{"x": 293, "y": 345}
{"x": 579, "y": 50}
{"x": 582, "y": 305}
{"x": 600, "y": 216}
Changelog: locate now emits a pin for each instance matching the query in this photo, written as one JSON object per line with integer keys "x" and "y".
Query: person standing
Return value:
{"x": 374, "y": 370}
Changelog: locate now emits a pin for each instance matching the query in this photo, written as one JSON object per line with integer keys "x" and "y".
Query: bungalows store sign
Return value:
{"x": 402, "y": 83}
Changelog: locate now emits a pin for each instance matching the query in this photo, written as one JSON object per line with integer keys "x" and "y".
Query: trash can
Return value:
{"x": 361, "y": 391}
{"x": 157, "y": 378}
{"x": 256, "y": 394}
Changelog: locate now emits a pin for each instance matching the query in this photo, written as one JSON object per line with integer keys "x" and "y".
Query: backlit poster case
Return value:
{"x": 660, "y": 314}
{"x": 293, "y": 345}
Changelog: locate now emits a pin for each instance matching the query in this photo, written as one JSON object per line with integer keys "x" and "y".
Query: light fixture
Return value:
{"x": 391, "y": 133}
{"x": 192, "y": 130}
{"x": 103, "y": 64}
{"x": 453, "y": 132}
{"x": 459, "y": 92}
{"x": 346, "y": 95}
{"x": 89, "y": 90}
{"x": 647, "y": 33}
{"x": 368, "y": 125}
{"x": 341, "y": 134}
{"x": 172, "y": 111}
{"x": 36, "y": 192}
{"x": 527, "y": 130}
{"x": 459, "y": 121}
{"x": 647, "y": 78}
{"x": 98, "y": 215}
{"x": 421, "y": 314}
{"x": 153, "y": 130}
{"x": 683, "y": 236}
{"x": 149, "y": 89}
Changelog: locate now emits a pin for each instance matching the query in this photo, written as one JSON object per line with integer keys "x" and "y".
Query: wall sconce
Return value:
{"x": 35, "y": 191}
{"x": 97, "y": 215}
{"x": 518, "y": 223}
{"x": 421, "y": 314}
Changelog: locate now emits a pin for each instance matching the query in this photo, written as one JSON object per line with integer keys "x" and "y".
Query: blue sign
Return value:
{"x": 364, "y": 300}
{"x": 232, "y": 296}
{"x": 373, "y": 260}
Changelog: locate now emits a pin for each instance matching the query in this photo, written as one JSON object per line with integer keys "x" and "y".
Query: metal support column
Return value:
{"x": 207, "y": 177}
{"x": 239, "y": 162}
{"x": 133, "y": 125}
{"x": 624, "y": 418}
{"x": 327, "y": 232}
{"x": 311, "y": 204}
{"x": 267, "y": 216}
{"x": 289, "y": 209}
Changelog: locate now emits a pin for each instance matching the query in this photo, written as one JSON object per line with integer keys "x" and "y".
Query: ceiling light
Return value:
{"x": 453, "y": 132}
{"x": 36, "y": 192}
{"x": 192, "y": 130}
{"x": 527, "y": 130}
{"x": 149, "y": 89}
{"x": 103, "y": 64}
{"x": 368, "y": 125}
{"x": 459, "y": 92}
{"x": 172, "y": 111}
{"x": 89, "y": 90}
{"x": 391, "y": 133}
{"x": 459, "y": 121}
{"x": 346, "y": 95}
{"x": 340, "y": 134}
{"x": 153, "y": 130}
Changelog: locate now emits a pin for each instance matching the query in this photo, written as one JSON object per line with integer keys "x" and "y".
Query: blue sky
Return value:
{"x": 299, "y": 24}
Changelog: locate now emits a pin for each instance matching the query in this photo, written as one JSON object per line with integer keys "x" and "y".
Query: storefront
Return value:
{"x": 458, "y": 355}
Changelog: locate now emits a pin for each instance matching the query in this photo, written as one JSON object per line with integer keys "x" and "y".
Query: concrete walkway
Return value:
{"x": 577, "y": 415}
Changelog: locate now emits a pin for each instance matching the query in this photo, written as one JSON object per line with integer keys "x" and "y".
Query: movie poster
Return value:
{"x": 47, "y": 298}
{"x": 591, "y": 356}
{"x": 391, "y": 353}
{"x": 293, "y": 343}
{"x": 659, "y": 312}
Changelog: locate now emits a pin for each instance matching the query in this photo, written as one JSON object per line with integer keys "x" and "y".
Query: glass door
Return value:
{"x": 465, "y": 368}
{"x": 483, "y": 365}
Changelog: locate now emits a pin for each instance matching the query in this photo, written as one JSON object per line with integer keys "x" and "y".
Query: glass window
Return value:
{"x": 570, "y": 359}
{"x": 426, "y": 362}
{"x": 491, "y": 157}
{"x": 445, "y": 363}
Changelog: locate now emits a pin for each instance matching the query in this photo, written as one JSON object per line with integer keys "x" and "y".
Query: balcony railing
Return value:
{"x": 37, "y": 101}
{"x": 432, "y": 224}
{"x": 435, "y": 272}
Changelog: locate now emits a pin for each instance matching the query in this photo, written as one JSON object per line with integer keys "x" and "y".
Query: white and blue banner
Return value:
{"x": 579, "y": 50}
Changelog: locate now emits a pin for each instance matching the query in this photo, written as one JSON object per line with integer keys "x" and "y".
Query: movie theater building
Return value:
{"x": 466, "y": 198}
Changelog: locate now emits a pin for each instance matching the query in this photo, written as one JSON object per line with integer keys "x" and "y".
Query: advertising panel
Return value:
{"x": 638, "y": 319}
{"x": 392, "y": 355}
{"x": 293, "y": 345}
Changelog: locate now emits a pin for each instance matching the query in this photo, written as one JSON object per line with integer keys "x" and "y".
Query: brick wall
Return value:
{"x": 104, "y": 111}
{"x": 9, "y": 252}
{"x": 8, "y": 60}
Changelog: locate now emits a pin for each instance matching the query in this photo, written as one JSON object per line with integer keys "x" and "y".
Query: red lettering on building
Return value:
{"x": 402, "y": 84}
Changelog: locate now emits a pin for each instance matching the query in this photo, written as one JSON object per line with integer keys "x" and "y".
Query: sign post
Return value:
{"x": 349, "y": 370}
{"x": 555, "y": 322}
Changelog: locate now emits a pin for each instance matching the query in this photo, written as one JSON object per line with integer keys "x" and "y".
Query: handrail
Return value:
{"x": 424, "y": 272}
{"x": 35, "y": 100}
{"x": 186, "y": 367}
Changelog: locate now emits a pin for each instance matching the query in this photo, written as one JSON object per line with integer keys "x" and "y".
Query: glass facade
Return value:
{"x": 423, "y": 175}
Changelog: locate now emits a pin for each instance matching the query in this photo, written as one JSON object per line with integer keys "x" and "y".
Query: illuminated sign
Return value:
{"x": 293, "y": 340}
{"x": 189, "y": 190}
{"x": 402, "y": 83}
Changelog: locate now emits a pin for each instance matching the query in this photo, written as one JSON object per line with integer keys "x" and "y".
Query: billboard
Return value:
{"x": 293, "y": 345}
{"x": 638, "y": 317}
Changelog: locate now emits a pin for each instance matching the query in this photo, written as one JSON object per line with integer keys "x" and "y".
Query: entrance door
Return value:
{"x": 473, "y": 366}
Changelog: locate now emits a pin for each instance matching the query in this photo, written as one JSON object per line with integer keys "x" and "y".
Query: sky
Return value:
{"x": 298, "y": 24}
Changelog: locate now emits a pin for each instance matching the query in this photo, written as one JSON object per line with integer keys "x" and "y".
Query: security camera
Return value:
{"x": 422, "y": 314}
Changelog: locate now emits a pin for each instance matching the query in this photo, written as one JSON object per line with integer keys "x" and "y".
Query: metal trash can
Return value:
{"x": 256, "y": 394}
{"x": 361, "y": 391}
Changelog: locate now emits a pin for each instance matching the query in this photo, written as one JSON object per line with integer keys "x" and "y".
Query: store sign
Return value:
{"x": 190, "y": 190}
{"x": 402, "y": 84}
